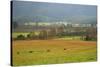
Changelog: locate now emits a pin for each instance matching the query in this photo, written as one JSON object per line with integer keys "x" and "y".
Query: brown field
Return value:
{"x": 32, "y": 52}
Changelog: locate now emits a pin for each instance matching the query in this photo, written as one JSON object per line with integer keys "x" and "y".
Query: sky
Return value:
{"x": 42, "y": 11}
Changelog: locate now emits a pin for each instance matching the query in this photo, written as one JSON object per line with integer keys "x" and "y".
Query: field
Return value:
{"x": 15, "y": 34}
{"x": 34, "y": 52}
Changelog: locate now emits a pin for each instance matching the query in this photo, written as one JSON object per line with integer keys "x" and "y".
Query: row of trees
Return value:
{"x": 57, "y": 32}
{"x": 44, "y": 35}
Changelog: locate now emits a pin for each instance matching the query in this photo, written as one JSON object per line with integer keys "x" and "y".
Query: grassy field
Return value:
{"x": 69, "y": 38}
{"x": 34, "y": 52}
{"x": 15, "y": 34}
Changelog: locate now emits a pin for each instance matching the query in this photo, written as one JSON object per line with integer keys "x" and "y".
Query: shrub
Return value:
{"x": 90, "y": 38}
{"x": 20, "y": 37}
{"x": 32, "y": 35}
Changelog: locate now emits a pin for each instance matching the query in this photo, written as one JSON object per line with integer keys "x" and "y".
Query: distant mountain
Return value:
{"x": 53, "y": 12}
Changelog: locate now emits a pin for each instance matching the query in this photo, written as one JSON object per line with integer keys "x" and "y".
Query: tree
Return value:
{"x": 32, "y": 35}
{"x": 20, "y": 37}
{"x": 43, "y": 34}
{"x": 52, "y": 32}
{"x": 14, "y": 24}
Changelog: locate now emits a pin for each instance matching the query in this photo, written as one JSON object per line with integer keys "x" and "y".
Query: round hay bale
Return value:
{"x": 30, "y": 51}
{"x": 18, "y": 53}
{"x": 65, "y": 49}
{"x": 48, "y": 50}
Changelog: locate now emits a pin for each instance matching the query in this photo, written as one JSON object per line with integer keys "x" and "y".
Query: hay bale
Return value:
{"x": 30, "y": 51}
{"x": 65, "y": 49}
{"x": 48, "y": 50}
{"x": 18, "y": 53}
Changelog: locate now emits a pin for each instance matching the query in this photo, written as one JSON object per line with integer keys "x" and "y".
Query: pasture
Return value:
{"x": 34, "y": 52}
{"x": 15, "y": 34}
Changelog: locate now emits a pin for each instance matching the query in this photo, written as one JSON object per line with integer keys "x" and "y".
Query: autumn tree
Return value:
{"x": 43, "y": 34}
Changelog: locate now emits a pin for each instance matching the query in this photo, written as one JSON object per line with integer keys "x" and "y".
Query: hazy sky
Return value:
{"x": 52, "y": 10}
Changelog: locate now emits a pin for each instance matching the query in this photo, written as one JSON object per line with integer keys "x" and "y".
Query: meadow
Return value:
{"x": 35, "y": 52}
{"x": 51, "y": 33}
{"x": 15, "y": 34}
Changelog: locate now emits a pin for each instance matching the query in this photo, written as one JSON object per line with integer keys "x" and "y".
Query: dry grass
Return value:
{"x": 52, "y": 51}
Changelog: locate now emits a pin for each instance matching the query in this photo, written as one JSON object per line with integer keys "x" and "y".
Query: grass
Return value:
{"x": 15, "y": 34}
{"x": 69, "y": 38}
{"x": 34, "y": 52}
